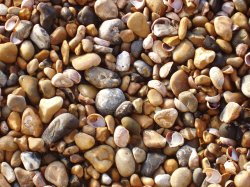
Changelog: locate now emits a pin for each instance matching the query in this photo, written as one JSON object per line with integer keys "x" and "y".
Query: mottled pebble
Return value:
{"x": 40, "y": 37}
{"x": 31, "y": 161}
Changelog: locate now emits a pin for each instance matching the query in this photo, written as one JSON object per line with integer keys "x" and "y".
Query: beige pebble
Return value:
{"x": 155, "y": 97}
{"x": 184, "y": 51}
{"x": 86, "y": 61}
{"x": 152, "y": 139}
{"x": 27, "y": 50}
{"x": 203, "y": 57}
{"x": 32, "y": 66}
{"x": 121, "y": 136}
{"x": 84, "y": 141}
{"x": 223, "y": 27}
{"x": 216, "y": 77}
{"x": 230, "y": 112}
{"x": 166, "y": 118}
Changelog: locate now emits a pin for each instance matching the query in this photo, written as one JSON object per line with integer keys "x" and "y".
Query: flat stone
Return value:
{"x": 30, "y": 160}
{"x": 8, "y": 52}
{"x": 162, "y": 180}
{"x": 7, "y": 144}
{"x": 59, "y": 127}
{"x": 181, "y": 177}
{"x": 58, "y": 36}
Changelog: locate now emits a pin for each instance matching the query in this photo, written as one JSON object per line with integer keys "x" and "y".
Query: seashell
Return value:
{"x": 121, "y": 136}
{"x": 21, "y": 31}
{"x": 176, "y": 5}
{"x": 167, "y": 48}
{"x": 148, "y": 42}
{"x": 14, "y": 38}
{"x": 228, "y": 69}
{"x": 72, "y": 75}
{"x": 216, "y": 77}
{"x": 154, "y": 57}
{"x": 173, "y": 16}
{"x": 230, "y": 167}
{"x": 101, "y": 42}
{"x": 221, "y": 160}
{"x": 11, "y": 23}
{"x": 232, "y": 154}
{"x": 191, "y": 82}
{"x": 125, "y": 17}
{"x": 213, "y": 131}
{"x": 213, "y": 99}
{"x": 138, "y": 4}
{"x": 247, "y": 59}
{"x": 213, "y": 175}
{"x": 247, "y": 166}
{"x": 241, "y": 49}
{"x": 174, "y": 139}
{"x": 96, "y": 120}
{"x": 159, "y": 86}
{"x": 193, "y": 161}
{"x": 228, "y": 7}
{"x": 213, "y": 106}
{"x": 27, "y": 4}
{"x": 164, "y": 27}
{"x": 165, "y": 69}
{"x": 227, "y": 141}
{"x": 180, "y": 106}
{"x": 229, "y": 183}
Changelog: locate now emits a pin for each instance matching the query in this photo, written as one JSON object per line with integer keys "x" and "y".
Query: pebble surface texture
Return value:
{"x": 124, "y": 93}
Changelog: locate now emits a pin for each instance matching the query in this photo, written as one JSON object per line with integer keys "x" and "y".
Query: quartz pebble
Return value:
{"x": 121, "y": 136}
{"x": 30, "y": 160}
{"x": 40, "y": 37}
{"x": 123, "y": 61}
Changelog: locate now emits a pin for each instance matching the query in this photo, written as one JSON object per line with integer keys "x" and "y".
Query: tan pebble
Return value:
{"x": 3, "y": 181}
{"x": 159, "y": 86}
{"x": 14, "y": 121}
{"x": 199, "y": 21}
{"x": 87, "y": 45}
{"x": 43, "y": 54}
{"x": 181, "y": 177}
{"x": 65, "y": 52}
{"x": 36, "y": 144}
{"x": 183, "y": 26}
{"x": 202, "y": 80}
{"x": 147, "y": 181}
{"x": 210, "y": 29}
{"x": 49, "y": 72}
{"x": 188, "y": 133}
{"x": 203, "y": 57}
{"x": 242, "y": 179}
{"x": 135, "y": 180}
{"x": 59, "y": 80}
{"x": 16, "y": 102}
{"x": 32, "y": 66}
{"x": 127, "y": 35}
{"x": 27, "y": 50}
{"x": 241, "y": 20}
{"x": 86, "y": 61}
{"x": 143, "y": 120}
{"x": 155, "y": 97}
{"x": 216, "y": 77}
{"x": 58, "y": 36}
{"x": 230, "y": 112}
{"x": 166, "y": 118}
{"x": 152, "y": 139}
{"x": 224, "y": 45}
{"x": 137, "y": 103}
{"x": 170, "y": 165}
{"x": 179, "y": 82}
{"x": 16, "y": 159}
{"x": 223, "y": 27}
{"x": 183, "y": 52}
{"x": 156, "y": 6}
{"x": 47, "y": 89}
{"x": 8, "y": 52}
{"x": 189, "y": 100}
{"x": 235, "y": 61}
{"x": 245, "y": 142}
{"x": 7, "y": 144}
{"x": 91, "y": 30}
{"x": 106, "y": 9}
{"x": 77, "y": 170}
{"x": 102, "y": 134}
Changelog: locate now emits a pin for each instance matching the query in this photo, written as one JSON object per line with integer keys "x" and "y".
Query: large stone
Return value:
{"x": 179, "y": 82}
{"x": 40, "y": 37}
{"x": 223, "y": 27}
{"x": 183, "y": 52}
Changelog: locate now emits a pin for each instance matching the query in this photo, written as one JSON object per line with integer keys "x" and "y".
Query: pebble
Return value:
{"x": 139, "y": 154}
{"x": 143, "y": 68}
{"x": 179, "y": 82}
{"x": 47, "y": 89}
{"x": 3, "y": 181}
{"x": 184, "y": 51}
{"x": 245, "y": 140}
{"x": 58, "y": 36}
{"x": 48, "y": 107}
{"x": 84, "y": 141}
{"x": 3, "y": 79}
{"x": 56, "y": 174}
{"x": 7, "y": 144}
{"x": 138, "y": 24}
{"x": 86, "y": 16}
{"x": 110, "y": 30}
{"x": 121, "y": 136}
{"x": 131, "y": 125}
{"x": 36, "y": 144}
{"x": 32, "y": 66}
{"x": 106, "y": 9}
{"x": 230, "y": 112}
{"x": 40, "y": 37}
{"x": 245, "y": 86}
{"x": 30, "y": 85}
{"x": 166, "y": 118}
{"x": 102, "y": 78}
{"x": 183, "y": 155}
{"x": 217, "y": 77}
{"x": 181, "y": 177}
{"x": 107, "y": 100}
{"x": 136, "y": 48}
{"x": 39, "y": 180}
{"x": 60, "y": 80}
{"x": 27, "y": 50}
{"x": 59, "y": 127}
{"x": 124, "y": 109}
{"x": 152, "y": 139}
{"x": 198, "y": 176}
{"x": 125, "y": 162}
{"x": 123, "y": 61}
{"x": 31, "y": 124}
{"x": 101, "y": 157}
{"x": 106, "y": 179}
{"x": 31, "y": 161}
{"x": 16, "y": 102}
{"x": 3, "y": 9}
{"x": 8, "y": 52}
{"x": 152, "y": 163}
{"x": 242, "y": 179}
{"x": 156, "y": 6}
{"x": 48, "y": 16}
{"x": 162, "y": 180}
{"x": 24, "y": 177}
{"x": 87, "y": 90}
{"x": 189, "y": 100}
{"x": 203, "y": 57}
{"x": 86, "y": 61}
{"x": 7, "y": 172}
{"x": 223, "y": 27}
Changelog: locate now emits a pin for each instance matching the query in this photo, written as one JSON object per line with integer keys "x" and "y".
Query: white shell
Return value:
{"x": 230, "y": 167}
{"x": 174, "y": 139}
{"x": 138, "y": 4}
{"x": 96, "y": 120}
{"x": 11, "y": 23}
{"x": 213, "y": 99}
{"x": 193, "y": 161}
{"x": 213, "y": 175}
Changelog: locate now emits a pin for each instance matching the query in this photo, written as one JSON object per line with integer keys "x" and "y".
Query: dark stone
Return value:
{"x": 209, "y": 43}
{"x": 87, "y": 16}
{"x": 74, "y": 181}
{"x": 219, "y": 61}
{"x": 13, "y": 79}
{"x": 143, "y": 68}
{"x": 3, "y": 79}
{"x": 152, "y": 163}
{"x": 198, "y": 176}
{"x": 215, "y": 5}
{"x": 135, "y": 77}
{"x": 228, "y": 131}
{"x": 56, "y": 2}
{"x": 59, "y": 127}
{"x": 66, "y": 14}
{"x": 124, "y": 109}
{"x": 240, "y": 37}
{"x": 136, "y": 48}
{"x": 47, "y": 16}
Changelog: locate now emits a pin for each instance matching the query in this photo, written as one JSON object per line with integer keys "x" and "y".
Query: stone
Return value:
{"x": 125, "y": 162}
{"x": 136, "y": 48}
{"x": 166, "y": 118}
{"x": 7, "y": 144}
{"x": 124, "y": 109}
{"x": 56, "y": 174}
{"x": 123, "y": 61}
{"x": 31, "y": 161}
{"x": 110, "y": 30}
{"x": 86, "y": 61}
{"x": 107, "y": 100}
{"x": 8, "y": 52}
{"x": 245, "y": 141}
{"x": 24, "y": 177}
{"x": 60, "y": 80}
{"x": 84, "y": 141}
{"x": 183, "y": 52}
{"x": 16, "y": 103}
{"x": 162, "y": 180}
{"x": 245, "y": 85}
{"x": 154, "y": 97}
{"x": 86, "y": 16}
{"x": 230, "y": 112}
{"x": 60, "y": 126}
{"x": 152, "y": 139}
{"x": 217, "y": 77}
{"x": 40, "y": 37}
{"x": 239, "y": 37}
{"x": 58, "y": 36}
{"x": 131, "y": 125}
{"x": 7, "y": 172}
{"x": 30, "y": 85}
{"x": 156, "y": 6}
{"x": 183, "y": 155}
{"x": 27, "y": 50}
{"x": 46, "y": 88}
{"x": 47, "y": 16}
{"x": 101, "y": 157}
{"x": 3, "y": 9}
{"x": 179, "y": 82}
{"x": 102, "y": 78}
{"x": 48, "y": 107}
{"x": 3, "y": 79}
{"x": 3, "y": 181}
{"x": 203, "y": 57}
{"x": 32, "y": 66}
{"x": 139, "y": 154}
{"x": 105, "y": 179}
{"x": 223, "y": 27}
{"x": 106, "y": 9}
{"x": 198, "y": 176}
{"x": 241, "y": 20}
{"x": 31, "y": 124}
{"x": 121, "y": 136}
{"x": 138, "y": 24}
{"x": 242, "y": 179}
{"x": 143, "y": 68}
{"x": 189, "y": 100}
{"x": 39, "y": 180}
{"x": 181, "y": 177}
{"x": 36, "y": 144}
{"x": 152, "y": 163}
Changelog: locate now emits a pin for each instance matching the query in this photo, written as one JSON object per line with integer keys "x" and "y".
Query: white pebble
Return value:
{"x": 106, "y": 179}
{"x": 30, "y": 161}
{"x": 123, "y": 61}
{"x": 3, "y": 10}
{"x": 162, "y": 180}
{"x": 8, "y": 172}
{"x": 139, "y": 154}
